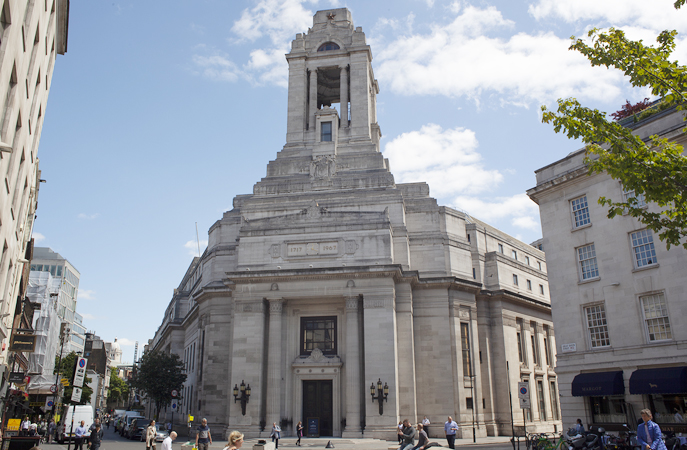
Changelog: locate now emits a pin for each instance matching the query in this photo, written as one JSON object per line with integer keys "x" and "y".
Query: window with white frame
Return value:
{"x": 515, "y": 279}
{"x": 527, "y": 260}
{"x": 580, "y": 211}
{"x": 539, "y": 265}
{"x": 643, "y": 248}
{"x": 656, "y": 317}
{"x": 597, "y": 326}
{"x": 541, "y": 289}
{"x": 587, "y": 258}
{"x": 500, "y": 248}
{"x": 514, "y": 254}
{"x": 640, "y": 200}
{"x": 529, "y": 285}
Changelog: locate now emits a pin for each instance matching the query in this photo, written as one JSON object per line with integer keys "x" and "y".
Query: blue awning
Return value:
{"x": 664, "y": 380}
{"x": 598, "y": 384}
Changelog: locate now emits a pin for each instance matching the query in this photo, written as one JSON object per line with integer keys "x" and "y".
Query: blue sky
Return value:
{"x": 161, "y": 112}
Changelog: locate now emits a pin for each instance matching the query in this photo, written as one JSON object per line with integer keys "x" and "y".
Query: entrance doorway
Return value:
{"x": 318, "y": 404}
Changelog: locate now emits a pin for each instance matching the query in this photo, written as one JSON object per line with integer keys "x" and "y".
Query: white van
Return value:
{"x": 78, "y": 413}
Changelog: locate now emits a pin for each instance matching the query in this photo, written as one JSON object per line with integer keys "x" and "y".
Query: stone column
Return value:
{"x": 313, "y": 101}
{"x": 343, "y": 97}
{"x": 274, "y": 363}
{"x": 353, "y": 388}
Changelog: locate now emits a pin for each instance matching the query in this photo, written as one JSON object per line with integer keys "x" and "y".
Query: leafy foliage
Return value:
{"x": 159, "y": 374}
{"x": 67, "y": 367}
{"x": 656, "y": 168}
{"x": 628, "y": 109}
{"x": 119, "y": 389}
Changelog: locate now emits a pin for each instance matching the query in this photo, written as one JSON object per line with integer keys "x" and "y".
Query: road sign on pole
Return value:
{"x": 174, "y": 393}
{"x": 80, "y": 372}
{"x": 53, "y": 388}
{"x": 175, "y": 405}
{"x": 76, "y": 394}
{"x": 524, "y": 394}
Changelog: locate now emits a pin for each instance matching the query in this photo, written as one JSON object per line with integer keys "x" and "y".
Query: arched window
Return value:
{"x": 328, "y": 46}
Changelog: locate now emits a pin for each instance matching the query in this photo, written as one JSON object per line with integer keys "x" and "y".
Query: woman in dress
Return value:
{"x": 649, "y": 434}
{"x": 299, "y": 432}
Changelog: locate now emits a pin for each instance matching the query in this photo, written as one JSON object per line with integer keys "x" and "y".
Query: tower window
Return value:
{"x": 326, "y": 132}
{"x": 328, "y": 46}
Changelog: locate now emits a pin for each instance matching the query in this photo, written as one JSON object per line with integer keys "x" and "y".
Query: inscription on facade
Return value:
{"x": 313, "y": 249}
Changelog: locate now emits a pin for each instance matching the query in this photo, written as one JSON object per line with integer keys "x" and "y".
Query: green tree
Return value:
{"x": 67, "y": 367}
{"x": 655, "y": 168}
{"x": 119, "y": 389}
{"x": 158, "y": 375}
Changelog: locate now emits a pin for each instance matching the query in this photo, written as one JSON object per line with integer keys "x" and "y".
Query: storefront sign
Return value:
{"x": 313, "y": 427}
{"x": 16, "y": 377}
{"x": 13, "y": 425}
{"x": 23, "y": 343}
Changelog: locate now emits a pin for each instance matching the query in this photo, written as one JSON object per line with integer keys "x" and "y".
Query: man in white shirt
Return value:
{"x": 167, "y": 443}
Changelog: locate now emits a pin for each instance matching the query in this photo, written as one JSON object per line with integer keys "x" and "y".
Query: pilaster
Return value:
{"x": 353, "y": 384}
{"x": 274, "y": 362}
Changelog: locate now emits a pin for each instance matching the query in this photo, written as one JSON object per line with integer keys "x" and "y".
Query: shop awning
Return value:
{"x": 598, "y": 383}
{"x": 664, "y": 380}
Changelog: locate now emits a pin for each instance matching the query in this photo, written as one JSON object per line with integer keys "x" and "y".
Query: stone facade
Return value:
{"x": 32, "y": 33}
{"x": 617, "y": 309}
{"x": 331, "y": 277}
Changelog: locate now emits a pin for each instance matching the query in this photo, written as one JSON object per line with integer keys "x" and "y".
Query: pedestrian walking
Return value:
{"x": 275, "y": 435}
{"x": 450, "y": 428}
{"x": 167, "y": 443}
{"x": 299, "y": 432}
{"x": 79, "y": 435}
{"x": 649, "y": 433}
{"x": 95, "y": 438}
{"x": 51, "y": 430}
{"x": 203, "y": 436}
{"x": 151, "y": 434}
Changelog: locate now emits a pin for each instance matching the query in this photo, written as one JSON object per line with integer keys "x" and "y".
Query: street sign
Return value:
{"x": 175, "y": 406}
{"x": 524, "y": 394}
{"x": 174, "y": 393}
{"x": 80, "y": 373}
{"x": 76, "y": 394}
{"x": 53, "y": 388}
{"x": 49, "y": 402}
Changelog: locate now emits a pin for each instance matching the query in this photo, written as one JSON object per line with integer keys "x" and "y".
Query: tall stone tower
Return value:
{"x": 332, "y": 115}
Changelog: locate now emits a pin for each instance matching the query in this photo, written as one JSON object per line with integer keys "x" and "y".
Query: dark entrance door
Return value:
{"x": 318, "y": 404}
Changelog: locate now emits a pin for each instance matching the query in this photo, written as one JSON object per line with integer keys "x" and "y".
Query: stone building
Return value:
{"x": 618, "y": 296}
{"x": 330, "y": 277}
{"x": 32, "y": 33}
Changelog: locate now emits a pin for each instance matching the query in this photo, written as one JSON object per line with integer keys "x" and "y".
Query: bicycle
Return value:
{"x": 562, "y": 443}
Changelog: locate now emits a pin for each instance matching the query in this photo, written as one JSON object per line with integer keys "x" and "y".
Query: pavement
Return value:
{"x": 367, "y": 444}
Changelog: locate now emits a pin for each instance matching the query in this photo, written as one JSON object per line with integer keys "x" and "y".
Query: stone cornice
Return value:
{"x": 517, "y": 298}
{"x": 499, "y": 257}
{"x": 556, "y": 182}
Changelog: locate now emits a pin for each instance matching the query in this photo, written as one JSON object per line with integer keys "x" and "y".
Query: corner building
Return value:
{"x": 331, "y": 277}
{"x": 618, "y": 295}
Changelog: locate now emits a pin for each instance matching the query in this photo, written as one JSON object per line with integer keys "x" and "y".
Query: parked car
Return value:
{"x": 162, "y": 433}
{"x": 126, "y": 423}
{"x": 137, "y": 428}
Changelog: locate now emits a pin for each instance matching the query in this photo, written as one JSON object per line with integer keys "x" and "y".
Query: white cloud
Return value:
{"x": 654, "y": 15}
{"x": 446, "y": 159}
{"x": 280, "y": 20}
{"x": 217, "y": 67}
{"x": 88, "y": 216}
{"x": 125, "y": 341}
{"x": 524, "y": 213}
{"x": 88, "y": 316}
{"x": 461, "y": 59}
{"x": 38, "y": 237}
{"x": 192, "y": 247}
{"x": 86, "y": 294}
